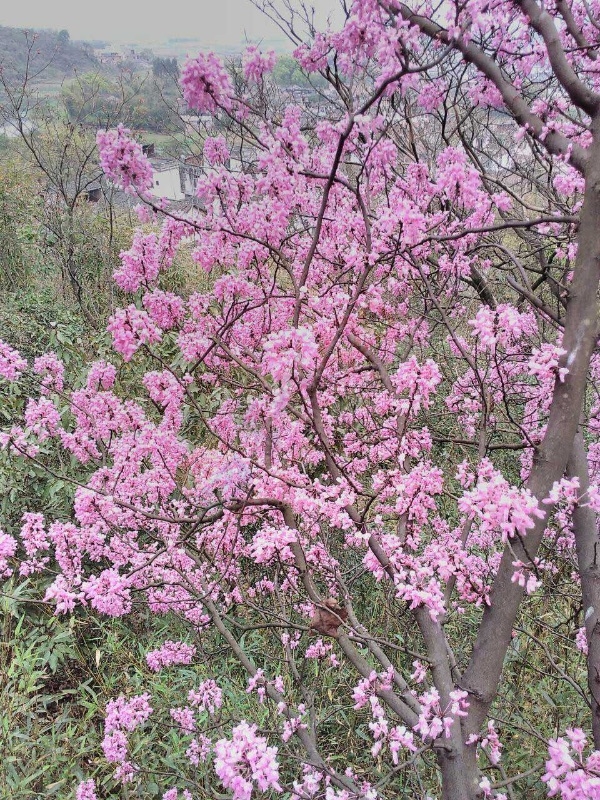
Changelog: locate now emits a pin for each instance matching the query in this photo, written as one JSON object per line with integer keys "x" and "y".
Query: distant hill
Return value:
{"x": 52, "y": 52}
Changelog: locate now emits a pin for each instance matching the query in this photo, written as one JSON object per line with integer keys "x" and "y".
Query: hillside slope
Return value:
{"x": 50, "y": 52}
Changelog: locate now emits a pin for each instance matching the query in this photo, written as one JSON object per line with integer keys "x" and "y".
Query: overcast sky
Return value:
{"x": 214, "y": 22}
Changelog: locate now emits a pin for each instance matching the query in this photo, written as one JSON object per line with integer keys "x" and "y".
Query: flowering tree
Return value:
{"x": 366, "y": 460}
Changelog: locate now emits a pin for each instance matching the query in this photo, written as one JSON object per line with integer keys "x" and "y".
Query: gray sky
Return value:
{"x": 213, "y": 22}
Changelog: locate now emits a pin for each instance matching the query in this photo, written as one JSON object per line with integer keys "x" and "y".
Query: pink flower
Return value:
{"x": 127, "y": 713}
{"x": 207, "y": 697}
{"x": 199, "y": 749}
{"x": 33, "y": 533}
{"x": 52, "y": 370}
{"x": 140, "y": 264}
{"x": 567, "y": 772}
{"x": 184, "y": 717}
{"x": 270, "y": 542}
{"x": 11, "y": 363}
{"x": 205, "y": 82}
{"x": 63, "y": 594}
{"x": 246, "y": 760}
{"x": 101, "y": 376}
{"x": 115, "y": 747}
{"x": 581, "y": 641}
{"x": 123, "y": 160}
{"x": 170, "y": 653}
{"x": 255, "y": 64}
{"x": 544, "y": 363}
{"x": 166, "y": 310}
{"x": 86, "y": 791}
{"x": 216, "y": 150}
{"x": 42, "y": 418}
{"x": 131, "y": 328}
{"x": 8, "y": 547}
{"x": 108, "y": 593}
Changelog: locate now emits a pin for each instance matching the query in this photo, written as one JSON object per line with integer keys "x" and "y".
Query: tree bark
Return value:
{"x": 587, "y": 543}
{"x": 579, "y": 340}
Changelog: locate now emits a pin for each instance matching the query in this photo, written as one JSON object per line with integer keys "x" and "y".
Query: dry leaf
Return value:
{"x": 326, "y": 619}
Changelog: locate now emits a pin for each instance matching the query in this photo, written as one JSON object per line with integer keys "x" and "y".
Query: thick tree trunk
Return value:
{"x": 587, "y": 543}
{"x": 455, "y": 780}
{"x": 579, "y": 340}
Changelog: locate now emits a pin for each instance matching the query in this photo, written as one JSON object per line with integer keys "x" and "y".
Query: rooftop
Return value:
{"x": 160, "y": 164}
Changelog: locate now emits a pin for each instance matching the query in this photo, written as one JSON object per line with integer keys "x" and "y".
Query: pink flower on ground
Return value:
{"x": 8, "y": 547}
{"x": 86, "y": 791}
{"x": 52, "y": 370}
{"x": 11, "y": 363}
{"x": 127, "y": 713}
{"x": 207, "y": 697}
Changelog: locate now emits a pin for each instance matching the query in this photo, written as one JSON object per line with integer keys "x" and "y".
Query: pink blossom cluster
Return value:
{"x": 42, "y": 418}
{"x": 101, "y": 375}
{"x": 525, "y": 577}
{"x": 123, "y": 160}
{"x": 207, "y": 697}
{"x": 369, "y": 686}
{"x": 52, "y": 370}
{"x": 271, "y": 543}
{"x": 256, "y": 683}
{"x": 568, "y": 774}
{"x": 173, "y": 794}
{"x": 486, "y": 787}
{"x": 581, "y": 640}
{"x": 86, "y": 790}
{"x": 123, "y": 715}
{"x": 396, "y": 737}
{"x": 503, "y": 325}
{"x": 35, "y": 540}
{"x": 131, "y": 328}
{"x": 433, "y": 720}
{"x": 294, "y": 722}
{"x": 319, "y": 650}
{"x": 170, "y": 653}
{"x": 11, "y": 363}
{"x": 246, "y": 761}
{"x": 199, "y": 749}
{"x": 489, "y": 740}
{"x": 216, "y": 150}
{"x": 108, "y": 592}
{"x": 63, "y": 595}
{"x": 256, "y": 63}
{"x": 544, "y": 363}
{"x": 500, "y": 507}
{"x": 205, "y": 82}
{"x": 139, "y": 265}
{"x": 8, "y": 548}
{"x": 184, "y": 717}
{"x": 166, "y": 310}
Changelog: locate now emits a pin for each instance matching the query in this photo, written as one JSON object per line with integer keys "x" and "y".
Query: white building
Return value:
{"x": 191, "y": 171}
{"x": 166, "y": 181}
